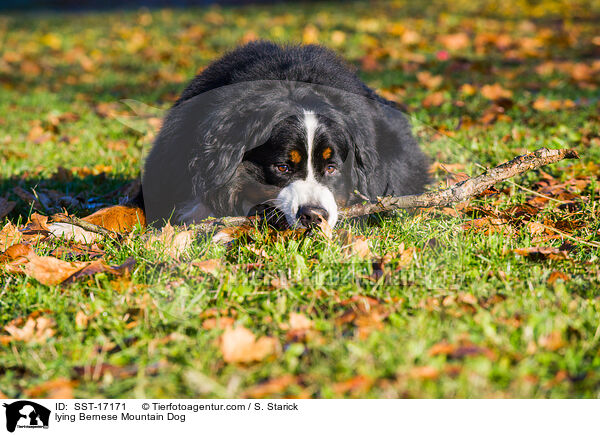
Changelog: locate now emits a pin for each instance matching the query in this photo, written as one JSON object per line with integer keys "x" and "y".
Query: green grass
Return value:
{"x": 463, "y": 287}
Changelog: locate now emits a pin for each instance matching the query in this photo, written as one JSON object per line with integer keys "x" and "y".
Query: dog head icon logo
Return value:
{"x": 26, "y": 414}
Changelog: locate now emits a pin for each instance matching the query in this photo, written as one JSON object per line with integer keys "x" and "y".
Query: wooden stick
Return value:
{"x": 465, "y": 189}
{"x": 93, "y": 228}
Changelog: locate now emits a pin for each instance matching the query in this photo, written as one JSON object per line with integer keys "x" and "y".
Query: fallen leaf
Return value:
{"x": 211, "y": 266}
{"x": 300, "y": 327}
{"x": 36, "y": 330}
{"x": 81, "y": 319}
{"x": 239, "y": 345}
{"x": 434, "y": 99}
{"x": 556, "y": 275}
{"x": 357, "y": 385}
{"x": 229, "y": 234}
{"x": 424, "y": 372}
{"x": 455, "y": 41}
{"x": 354, "y": 245}
{"x": 299, "y": 321}
{"x": 50, "y": 270}
{"x": 60, "y": 388}
{"x": 9, "y": 235}
{"x": 552, "y": 341}
{"x": 118, "y": 218}
{"x": 538, "y": 253}
{"x": 175, "y": 243}
{"x": 495, "y": 92}
{"x": 218, "y": 322}
{"x": 270, "y": 388}
{"x": 325, "y": 229}
{"x": 459, "y": 351}
{"x": 429, "y": 80}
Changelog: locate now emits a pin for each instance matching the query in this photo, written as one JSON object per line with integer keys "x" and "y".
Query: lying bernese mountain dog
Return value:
{"x": 289, "y": 129}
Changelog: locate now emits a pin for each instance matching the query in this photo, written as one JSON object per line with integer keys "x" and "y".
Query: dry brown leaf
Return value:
{"x": 357, "y": 385}
{"x": 543, "y": 104}
{"x": 60, "y": 388}
{"x": 270, "y": 388}
{"x": 36, "y": 330}
{"x": 556, "y": 275}
{"x": 81, "y": 319}
{"x": 428, "y": 80}
{"x": 16, "y": 251}
{"x": 458, "y": 351}
{"x": 9, "y": 235}
{"x": 300, "y": 327}
{"x": 455, "y": 41}
{"x": 175, "y": 243}
{"x": 218, "y": 322}
{"x": 495, "y": 92}
{"x": 50, "y": 270}
{"x": 354, "y": 245}
{"x": 424, "y": 372}
{"x": 535, "y": 228}
{"x": 542, "y": 252}
{"x": 239, "y": 345}
{"x": 434, "y": 99}
{"x": 325, "y": 229}
{"x": 552, "y": 341}
{"x": 118, "y": 218}
{"x": 212, "y": 265}
{"x": 299, "y": 321}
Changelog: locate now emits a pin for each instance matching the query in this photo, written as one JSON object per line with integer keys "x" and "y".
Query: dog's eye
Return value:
{"x": 330, "y": 169}
{"x": 283, "y": 168}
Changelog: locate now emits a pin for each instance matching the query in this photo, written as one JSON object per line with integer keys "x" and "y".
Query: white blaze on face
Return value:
{"x": 307, "y": 192}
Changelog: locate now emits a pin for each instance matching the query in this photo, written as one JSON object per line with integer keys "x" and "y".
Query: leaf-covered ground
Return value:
{"x": 499, "y": 297}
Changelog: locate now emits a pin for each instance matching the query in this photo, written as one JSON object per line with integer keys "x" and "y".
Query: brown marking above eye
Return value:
{"x": 327, "y": 153}
{"x": 295, "y": 156}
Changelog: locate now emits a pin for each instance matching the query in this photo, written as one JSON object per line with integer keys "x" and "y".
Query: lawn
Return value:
{"x": 496, "y": 297}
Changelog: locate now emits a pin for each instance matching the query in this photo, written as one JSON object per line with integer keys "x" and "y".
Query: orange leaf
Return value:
{"x": 424, "y": 372}
{"x": 218, "y": 322}
{"x": 434, "y": 99}
{"x": 9, "y": 235}
{"x": 175, "y": 243}
{"x": 455, "y": 41}
{"x": 542, "y": 253}
{"x": 240, "y": 345}
{"x": 270, "y": 388}
{"x": 118, "y": 218}
{"x": 552, "y": 341}
{"x": 34, "y": 331}
{"x": 60, "y": 388}
{"x": 428, "y": 80}
{"x": 556, "y": 275}
{"x": 50, "y": 270}
{"x": 495, "y": 92}
{"x": 208, "y": 266}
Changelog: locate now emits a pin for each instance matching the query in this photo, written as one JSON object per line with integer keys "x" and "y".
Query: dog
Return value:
{"x": 270, "y": 128}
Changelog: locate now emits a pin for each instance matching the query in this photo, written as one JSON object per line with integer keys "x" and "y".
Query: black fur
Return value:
{"x": 235, "y": 121}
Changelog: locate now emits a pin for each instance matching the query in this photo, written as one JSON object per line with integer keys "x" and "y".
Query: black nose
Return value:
{"x": 309, "y": 214}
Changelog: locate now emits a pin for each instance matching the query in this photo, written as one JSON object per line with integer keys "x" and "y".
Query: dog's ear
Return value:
{"x": 241, "y": 118}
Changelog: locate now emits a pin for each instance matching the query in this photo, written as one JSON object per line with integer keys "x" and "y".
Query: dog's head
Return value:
{"x": 300, "y": 149}
{"x": 305, "y": 165}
